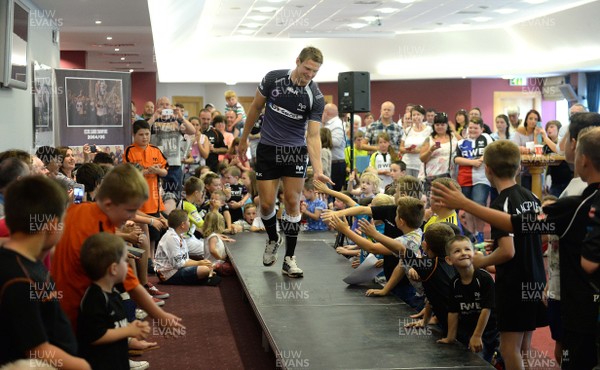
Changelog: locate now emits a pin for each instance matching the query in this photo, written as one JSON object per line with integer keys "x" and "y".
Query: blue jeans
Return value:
{"x": 477, "y": 193}
{"x": 188, "y": 276}
{"x": 172, "y": 182}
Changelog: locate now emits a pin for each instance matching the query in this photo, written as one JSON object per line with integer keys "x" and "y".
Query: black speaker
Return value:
{"x": 354, "y": 92}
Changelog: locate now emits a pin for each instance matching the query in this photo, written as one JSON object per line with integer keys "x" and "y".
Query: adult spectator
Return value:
{"x": 429, "y": 116}
{"x": 199, "y": 150}
{"x": 210, "y": 107}
{"x": 414, "y": 137}
{"x": 384, "y": 124}
{"x": 334, "y": 124}
{"x": 561, "y": 174}
{"x": 525, "y": 134}
{"x": 515, "y": 121}
{"x": 476, "y": 112}
{"x": 134, "y": 115}
{"x": 215, "y": 138}
{"x": 219, "y": 124}
{"x": 502, "y": 128}
{"x": 51, "y": 159}
{"x": 233, "y": 105}
{"x": 11, "y": 170}
{"x": 575, "y": 108}
{"x": 167, "y": 134}
{"x": 148, "y": 110}
{"x": 231, "y": 124}
{"x": 461, "y": 122}
{"x": 437, "y": 153}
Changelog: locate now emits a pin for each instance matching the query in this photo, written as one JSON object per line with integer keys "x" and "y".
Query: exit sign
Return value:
{"x": 519, "y": 81}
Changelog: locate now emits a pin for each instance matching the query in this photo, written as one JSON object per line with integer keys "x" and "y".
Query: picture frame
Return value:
{"x": 14, "y": 36}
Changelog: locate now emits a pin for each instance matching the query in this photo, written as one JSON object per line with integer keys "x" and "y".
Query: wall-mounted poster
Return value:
{"x": 93, "y": 102}
{"x": 93, "y": 107}
{"x": 43, "y": 130}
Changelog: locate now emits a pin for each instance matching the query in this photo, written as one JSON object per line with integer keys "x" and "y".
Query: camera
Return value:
{"x": 166, "y": 113}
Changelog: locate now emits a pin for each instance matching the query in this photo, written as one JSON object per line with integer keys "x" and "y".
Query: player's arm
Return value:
{"x": 313, "y": 141}
{"x": 255, "y": 108}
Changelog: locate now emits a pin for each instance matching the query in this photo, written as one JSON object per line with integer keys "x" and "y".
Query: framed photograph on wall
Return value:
{"x": 14, "y": 36}
{"x": 94, "y": 102}
{"x": 42, "y": 92}
{"x": 93, "y": 107}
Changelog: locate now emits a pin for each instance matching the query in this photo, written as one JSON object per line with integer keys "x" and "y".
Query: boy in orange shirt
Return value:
{"x": 121, "y": 193}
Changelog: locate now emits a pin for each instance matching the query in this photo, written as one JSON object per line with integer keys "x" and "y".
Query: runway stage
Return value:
{"x": 320, "y": 322}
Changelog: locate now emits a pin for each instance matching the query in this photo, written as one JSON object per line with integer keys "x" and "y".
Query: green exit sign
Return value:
{"x": 519, "y": 81}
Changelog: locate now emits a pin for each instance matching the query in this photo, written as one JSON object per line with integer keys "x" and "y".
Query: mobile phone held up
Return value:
{"x": 78, "y": 193}
{"x": 93, "y": 149}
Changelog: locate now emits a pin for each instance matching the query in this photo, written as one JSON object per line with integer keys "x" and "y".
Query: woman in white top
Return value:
{"x": 438, "y": 151}
{"x": 524, "y": 134}
{"x": 199, "y": 150}
{"x": 502, "y": 128}
{"x": 414, "y": 136}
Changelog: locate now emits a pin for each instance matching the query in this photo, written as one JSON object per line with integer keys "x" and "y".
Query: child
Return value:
{"x": 172, "y": 262}
{"x": 194, "y": 194}
{"x": 520, "y": 275}
{"x": 441, "y": 213}
{"x": 409, "y": 216}
{"x": 154, "y": 165}
{"x": 471, "y": 307}
{"x": 326, "y": 145}
{"x": 359, "y": 138}
{"x": 369, "y": 185}
{"x": 233, "y": 159}
{"x": 103, "y": 328}
{"x": 248, "y": 222}
{"x": 121, "y": 193}
{"x": 382, "y": 159}
{"x": 233, "y": 105}
{"x": 214, "y": 248}
{"x": 312, "y": 207}
{"x": 397, "y": 170}
{"x": 471, "y": 173}
{"x": 34, "y": 207}
{"x": 435, "y": 275}
{"x": 212, "y": 183}
{"x": 238, "y": 193}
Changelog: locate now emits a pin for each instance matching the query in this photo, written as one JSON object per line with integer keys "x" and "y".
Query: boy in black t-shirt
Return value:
{"x": 471, "y": 303}
{"x": 33, "y": 324}
{"x": 520, "y": 275}
{"x": 102, "y": 327}
{"x": 569, "y": 217}
{"x": 238, "y": 193}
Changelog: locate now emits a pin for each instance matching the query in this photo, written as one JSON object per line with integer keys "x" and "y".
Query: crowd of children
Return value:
{"x": 123, "y": 224}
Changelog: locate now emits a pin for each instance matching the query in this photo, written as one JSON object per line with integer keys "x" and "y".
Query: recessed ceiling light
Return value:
{"x": 258, "y": 17}
{"x": 481, "y": 19}
{"x": 406, "y": 1}
{"x": 387, "y": 10}
{"x": 117, "y": 49}
{"x": 246, "y": 32}
{"x": 98, "y": 22}
{"x": 534, "y": 1}
{"x": 122, "y": 58}
{"x": 369, "y": 18}
{"x": 265, "y": 9}
{"x": 131, "y": 70}
{"x": 109, "y": 37}
{"x": 357, "y": 25}
{"x": 252, "y": 25}
{"x": 505, "y": 10}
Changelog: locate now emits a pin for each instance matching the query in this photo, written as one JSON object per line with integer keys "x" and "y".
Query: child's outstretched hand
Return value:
{"x": 446, "y": 341}
{"x": 338, "y": 223}
{"x": 413, "y": 275}
{"x": 368, "y": 228}
{"x": 327, "y": 214}
{"x": 320, "y": 186}
{"x": 376, "y": 293}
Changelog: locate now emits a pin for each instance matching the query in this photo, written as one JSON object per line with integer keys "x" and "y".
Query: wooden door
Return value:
{"x": 191, "y": 104}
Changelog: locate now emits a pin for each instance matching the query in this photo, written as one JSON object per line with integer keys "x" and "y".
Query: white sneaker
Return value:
{"x": 140, "y": 314}
{"x": 138, "y": 365}
{"x": 290, "y": 268}
{"x": 270, "y": 254}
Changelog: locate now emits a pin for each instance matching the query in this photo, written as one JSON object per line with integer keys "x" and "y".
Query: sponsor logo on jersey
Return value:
{"x": 285, "y": 112}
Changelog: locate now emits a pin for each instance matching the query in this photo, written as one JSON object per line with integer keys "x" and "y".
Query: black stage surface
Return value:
{"x": 320, "y": 322}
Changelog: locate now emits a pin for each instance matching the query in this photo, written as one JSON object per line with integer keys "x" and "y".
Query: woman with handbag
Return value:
{"x": 438, "y": 151}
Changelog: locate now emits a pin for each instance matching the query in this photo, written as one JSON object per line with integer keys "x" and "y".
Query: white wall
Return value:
{"x": 16, "y": 106}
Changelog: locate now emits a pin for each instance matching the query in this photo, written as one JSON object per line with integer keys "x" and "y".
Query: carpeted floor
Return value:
{"x": 222, "y": 331}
